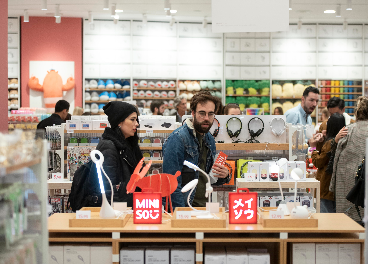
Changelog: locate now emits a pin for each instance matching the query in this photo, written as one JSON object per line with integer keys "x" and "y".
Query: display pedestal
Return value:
{"x": 220, "y": 220}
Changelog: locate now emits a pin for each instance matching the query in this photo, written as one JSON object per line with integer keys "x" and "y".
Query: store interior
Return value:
{"x": 145, "y": 51}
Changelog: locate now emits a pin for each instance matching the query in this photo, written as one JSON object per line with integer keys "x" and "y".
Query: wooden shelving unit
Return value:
{"x": 332, "y": 228}
{"x": 346, "y": 100}
{"x": 12, "y": 168}
{"x": 287, "y": 98}
{"x": 153, "y": 98}
{"x": 252, "y": 146}
{"x": 249, "y": 95}
{"x": 341, "y": 86}
{"x": 107, "y": 89}
{"x": 340, "y": 93}
{"x": 155, "y": 89}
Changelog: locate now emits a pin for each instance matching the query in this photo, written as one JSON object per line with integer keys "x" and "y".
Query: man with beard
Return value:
{"x": 194, "y": 143}
{"x": 157, "y": 108}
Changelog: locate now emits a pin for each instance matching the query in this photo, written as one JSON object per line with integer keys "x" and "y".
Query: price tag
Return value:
{"x": 149, "y": 131}
{"x": 83, "y": 215}
{"x": 183, "y": 215}
{"x": 276, "y": 214}
{"x": 57, "y": 176}
{"x": 69, "y": 131}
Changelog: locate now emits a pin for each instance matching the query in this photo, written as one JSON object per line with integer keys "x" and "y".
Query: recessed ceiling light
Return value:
{"x": 173, "y": 11}
{"x": 290, "y": 4}
{"x": 338, "y": 11}
{"x": 329, "y": 12}
{"x": 106, "y": 5}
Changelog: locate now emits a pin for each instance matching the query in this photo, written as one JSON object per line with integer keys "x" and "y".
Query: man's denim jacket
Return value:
{"x": 181, "y": 145}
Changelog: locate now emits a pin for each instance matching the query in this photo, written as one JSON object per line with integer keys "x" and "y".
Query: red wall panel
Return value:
{"x": 4, "y": 65}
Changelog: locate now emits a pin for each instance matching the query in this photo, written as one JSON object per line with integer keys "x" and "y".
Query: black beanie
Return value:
{"x": 118, "y": 111}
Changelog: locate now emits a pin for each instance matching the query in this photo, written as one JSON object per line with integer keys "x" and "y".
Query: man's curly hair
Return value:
{"x": 203, "y": 97}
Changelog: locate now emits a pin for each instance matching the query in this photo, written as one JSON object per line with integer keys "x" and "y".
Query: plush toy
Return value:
{"x": 110, "y": 84}
{"x": 164, "y": 94}
{"x": 184, "y": 95}
{"x": 141, "y": 94}
{"x": 274, "y": 105}
{"x": 288, "y": 89}
{"x": 165, "y": 84}
{"x": 182, "y": 86}
{"x": 101, "y": 84}
{"x": 276, "y": 90}
{"x": 104, "y": 96}
{"x": 119, "y": 97}
{"x": 156, "y": 94}
{"x": 52, "y": 88}
{"x": 239, "y": 91}
{"x": 254, "y": 102}
{"x": 230, "y": 90}
{"x": 210, "y": 85}
{"x": 190, "y": 86}
{"x": 100, "y": 108}
{"x": 135, "y": 84}
{"x": 265, "y": 101}
{"x": 87, "y": 96}
{"x": 190, "y": 96}
{"x": 158, "y": 84}
{"x": 143, "y": 102}
{"x": 125, "y": 84}
{"x": 171, "y": 94}
{"x": 95, "y": 96}
{"x": 230, "y": 100}
{"x": 252, "y": 87}
{"x": 287, "y": 105}
{"x": 218, "y": 85}
{"x": 196, "y": 86}
{"x": 87, "y": 108}
{"x": 264, "y": 86}
{"x": 218, "y": 94}
{"x": 297, "y": 103}
{"x": 242, "y": 102}
{"x": 171, "y": 103}
{"x": 143, "y": 84}
{"x": 149, "y": 93}
{"x": 94, "y": 108}
{"x": 86, "y": 84}
{"x": 118, "y": 84}
{"x": 298, "y": 89}
{"x": 172, "y": 84}
{"x": 13, "y": 94}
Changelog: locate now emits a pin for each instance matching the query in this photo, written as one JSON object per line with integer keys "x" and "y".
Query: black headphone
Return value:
{"x": 241, "y": 169}
{"x": 254, "y": 134}
{"x": 237, "y": 132}
{"x": 215, "y": 133}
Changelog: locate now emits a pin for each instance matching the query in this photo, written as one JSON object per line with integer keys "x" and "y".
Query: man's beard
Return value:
{"x": 307, "y": 110}
{"x": 198, "y": 125}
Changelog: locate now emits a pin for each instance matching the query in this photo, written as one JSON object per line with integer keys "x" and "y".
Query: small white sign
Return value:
{"x": 57, "y": 176}
{"x": 183, "y": 215}
{"x": 276, "y": 214}
{"x": 150, "y": 131}
{"x": 83, "y": 215}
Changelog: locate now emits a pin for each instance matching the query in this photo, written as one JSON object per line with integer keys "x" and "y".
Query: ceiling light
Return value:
{"x": 58, "y": 19}
{"x": 113, "y": 7}
{"x": 290, "y": 4}
{"x": 119, "y": 10}
{"x": 329, "y": 12}
{"x": 299, "y": 24}
{"x": 26, "y": 17}
{"x": 144, "y": 19}
{"x": 172, "y": 21}
{"x": 167, "y": 5}
{"x": 338, "y": 11}
{"x": 57, "y": 10}
{"x": 90, "y": 17}
{"x": 349, "y": 5}
{"x": 204, "y": 23}
{"x": 44, "y": 5}
{"x": 173, "y": 11}
{"x": 106, "y": 5}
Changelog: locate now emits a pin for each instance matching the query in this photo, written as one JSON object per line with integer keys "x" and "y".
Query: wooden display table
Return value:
{"x": 332, "y": 228}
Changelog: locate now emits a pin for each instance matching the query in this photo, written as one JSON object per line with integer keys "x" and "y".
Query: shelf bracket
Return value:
{"x": 199, "y": 235}
{"x": 115, "y": 258}
{"x": 115, "y": 235}
{"x": 199, "y": 257}
{"x": 283, "y": 235}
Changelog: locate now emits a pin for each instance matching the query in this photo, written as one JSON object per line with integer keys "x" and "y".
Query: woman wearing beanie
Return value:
{"x": 119, "y": 145}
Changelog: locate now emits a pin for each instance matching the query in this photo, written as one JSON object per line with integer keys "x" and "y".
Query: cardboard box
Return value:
{"x": 259, "y": 258}
{"x": 349, "y": 253}
{"x": 100, "y": 124}
{"x": 306, "y": 200}
{"x": 232, "y": 165}
{"x": 264, "y": 171}
{"x": 304, "y": 253}
{"x": 215, "y": 255}
{"x": 290, "y": 166}
{"x": 182, "y": 255}
{"x": 253, "y": 167}
{"x": 327, "y": 253}
{"x": 157, "y": 255}
{"x": 77, "y": 254}
{"x": 265, "y": 201}
{"x": 132, "y": 255}
{"x": 302, "y": 166}
{"x": 56, "y": 254}
{"x": 101, "y": 254}
{"x": 236, "y": 255}
{"x": 86, "y": 125}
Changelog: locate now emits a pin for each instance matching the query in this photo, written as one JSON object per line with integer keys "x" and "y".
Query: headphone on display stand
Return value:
{"x": 237, "y": 132}
{"x": 278, "y": 126}
{"x": 253, "y": 134}
{"x": 215, "y": 133}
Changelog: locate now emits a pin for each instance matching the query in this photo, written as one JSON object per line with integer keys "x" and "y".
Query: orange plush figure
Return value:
{"x": 52, "y": 88}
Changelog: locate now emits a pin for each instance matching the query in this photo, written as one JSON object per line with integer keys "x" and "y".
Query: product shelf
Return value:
{"x": 153, "y": 98}
{"x": 287, "y": 98}
{"x": 341, "y": 86}
{"x": 249, "y": 95}
{"x": 346, "y": 100}
{"x": 341, "y": 93}
{"x": 9, "y": 169}
{"x": 101, "y": 131}
{"x": 252, "y": 146}
{"x": 155, "y": 89}
{"x": 106, "y": 89}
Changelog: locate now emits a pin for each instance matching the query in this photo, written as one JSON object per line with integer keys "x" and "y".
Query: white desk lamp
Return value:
{"x": 106, "y": 209}
{"x": 298, "y": 211}
{"x": 276, "y": 169}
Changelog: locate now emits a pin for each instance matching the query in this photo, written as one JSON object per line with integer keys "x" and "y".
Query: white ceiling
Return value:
{"x": 188, "y": 10}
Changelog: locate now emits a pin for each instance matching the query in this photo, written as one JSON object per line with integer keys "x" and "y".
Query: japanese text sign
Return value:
{"x": 147, "y": 207}
{"x": 243, "y": 207}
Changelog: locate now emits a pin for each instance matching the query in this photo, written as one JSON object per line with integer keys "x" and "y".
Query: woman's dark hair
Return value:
{"x": 334, "y": 124}
{"x": 279, "y": 108}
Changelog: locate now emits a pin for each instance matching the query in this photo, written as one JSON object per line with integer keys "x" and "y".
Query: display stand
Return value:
{"x": 332, "y": 228}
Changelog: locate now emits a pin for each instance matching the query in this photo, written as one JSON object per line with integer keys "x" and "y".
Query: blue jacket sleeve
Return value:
{"x": 173, "y": 156}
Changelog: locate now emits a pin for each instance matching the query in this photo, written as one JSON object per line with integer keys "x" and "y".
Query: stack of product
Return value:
{"x": 26, "y": 118}
{"x": 189, "y": 88}
{"x": 13, "y": 98}
{"x": 236, "y": 254}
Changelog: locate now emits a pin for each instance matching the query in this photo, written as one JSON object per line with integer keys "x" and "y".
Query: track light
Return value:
{"x": 44, "y": 5}
{"x": 26, "y": 17}
{"x": 106, "y": 5}
{"x": 172, "y": 22}
{"x": 172, "y": 11}
{"x": 144, "y": 19}
{"x": 349, "y": 5}
{"x": 299, "y": 24}
{"x": 290, "y": 4}
{"x": 338, "y": 11}
{"x": 113, "y": 7}
{"x": 167, "y": 5}
{"x": 57, "y": 11}
{"x": 90, "y": 17}
{"x": 204, "y": 23}
{"x": 58, "y": 19}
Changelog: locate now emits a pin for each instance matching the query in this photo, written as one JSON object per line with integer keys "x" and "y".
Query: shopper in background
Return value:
{"x": 78, "y": 111}
{"x": 321, "y": 159}
{"x": 68, "y": 117}
{"x": 278, "y": 111}
{"x": 349, "y": 155}
{"x": 157, "y": 107}
{"x": 57, "y": 118}
{"x": 194, "y": 143}
{"x": 221, "y": 109}
{"x": 119, "y": 145}
{"x": 337, "y": 105}
{"x": 232, "y": 109}
{"x": 180, "y": 104}
{"x": 300, "y": 115}
{"x": 324, "y": 116}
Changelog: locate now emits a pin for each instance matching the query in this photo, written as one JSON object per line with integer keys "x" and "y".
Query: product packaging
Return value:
{"x": 302, "y": 166}
{"x": 349, "y": 253}
{"x": 326, "y": 253}
{"x": 232, "y": 171}
{"x": 236, "y": 255}
{"x": 265, "y": 201}
{"x": 304, "y": 253}
{"x": 214, "y": 255}
{"x": 132, "y": 255}
{"x": 264, "y": 171}
{"x": 101, "y": 254}
{"x": 157, "y": 255}
{"x": 253, "y": 167}
{"x": 182, "y": 255}
{"x": 290, "y": 166}
{"x": 259, "y": 258}
{"x": 56, "y": 254}
{"x": 219, "y": 159}
{"x": 77, "y": 254}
